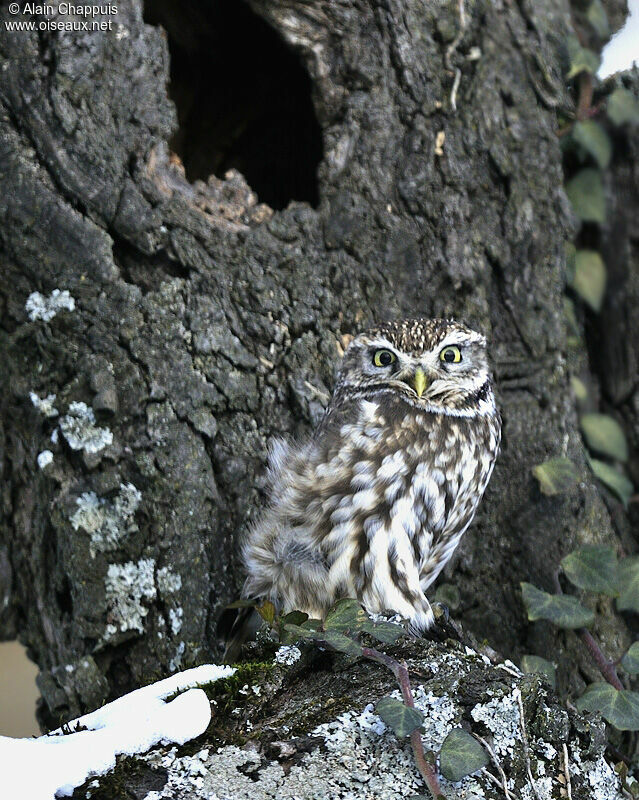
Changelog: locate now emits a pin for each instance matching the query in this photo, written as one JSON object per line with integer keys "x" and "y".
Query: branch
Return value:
{"x": 400, "y": 671}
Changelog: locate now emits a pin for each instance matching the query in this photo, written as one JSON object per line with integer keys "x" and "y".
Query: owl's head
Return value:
{"x": 434, "y": 364}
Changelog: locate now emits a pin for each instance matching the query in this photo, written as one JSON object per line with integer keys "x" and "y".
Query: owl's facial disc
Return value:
{"x": 446, "y": 370}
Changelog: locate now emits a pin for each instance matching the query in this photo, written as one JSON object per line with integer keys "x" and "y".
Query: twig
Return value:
{"x": 507, "y": 793}
{"x": 500, "y": 769}
{"x": 606, "y": 667}
{"x": 525, "y": 741}
{"x": 567, "y": 774}
{"x": 400, "y": 671}
{"x": 585, "y": 95}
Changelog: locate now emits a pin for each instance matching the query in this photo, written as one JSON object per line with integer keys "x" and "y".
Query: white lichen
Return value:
{"x": 287, "y": 655}
{"x": 45, "y": 458}
{"x": 79, "y": 429}
{"x": 168, "y": 581}
{"x": 175, "y": 619}
{"x": 501, "y": 716}
{"x": 44, "y": 404}
{"x": 45, "y": 308}
{"x": 107, "y": 521}
{"x": 127, "y": 587}
{"x": 176, "y": 661}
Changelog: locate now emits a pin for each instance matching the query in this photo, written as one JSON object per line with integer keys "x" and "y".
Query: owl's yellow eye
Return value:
{"x": 450, "y": 355}
{"x": 384, "y": 358}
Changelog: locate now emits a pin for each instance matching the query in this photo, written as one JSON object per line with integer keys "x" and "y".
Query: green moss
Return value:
{"x": 226, "y": 692}
{"x": 116, "y": 785}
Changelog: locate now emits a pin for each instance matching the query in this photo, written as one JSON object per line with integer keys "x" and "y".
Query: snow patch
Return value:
{"x": 127, "y": 586}
{"x": 79, "y": 429}
{"x": 45, "y": 308}
{"x": 107, "y": 522}
{"x": 56, "y": 764}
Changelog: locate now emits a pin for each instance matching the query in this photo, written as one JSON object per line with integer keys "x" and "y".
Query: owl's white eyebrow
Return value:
{"x": 458, "y": 340}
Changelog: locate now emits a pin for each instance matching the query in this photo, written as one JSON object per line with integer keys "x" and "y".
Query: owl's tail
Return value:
{"x": 238, "y": 629}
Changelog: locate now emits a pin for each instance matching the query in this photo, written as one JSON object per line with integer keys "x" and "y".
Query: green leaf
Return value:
{"x": 266, "y": 611}
{"x": 398, "y": 716}
{"x": 597, "y": 17}
{"x": 618, "y": 706}
{"x": 562, "y": 609}
{"x": 628, "y": 583}
{"x": 616, "y": 481}
{"x": 531, "y": 664}
{"x": 448, "y": 595}
{"x": 623, "y": 107}
{"x": 346, "y": 615}
{"x": 589, "y": 278}
{"x": 337, "y": 641}
{"x": 386, "y": 632}
{"x": 630, "y": 661}
{"x": 604, "y": 435}
{"x": 579, "y": 388}
{"x": 333, "y": 639}
{"x": 593, "y": 568}
{"x": 594, "y": 140}
{"x": 581, "y": 58}
{"x": 586, "y": 193}
{"x": 294, "y": 618}
{"x": 556, "y": 476}
{"x": 461, "y": 755}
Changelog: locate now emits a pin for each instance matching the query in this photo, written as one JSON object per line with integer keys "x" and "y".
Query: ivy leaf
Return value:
{"x": 579, "y": 388}
{"x": 448, "y": 595}
{"x": 337, "y": 641}
{"x": 398, "y": 716}
{"x": 556, "y": 476}
{"x": 386, "y": 632}
{"x": 461, "y": 755}
{"x": 294, "y": 618}
{"x": 594, "y": 140}
{"x": 630, "y": 661}
{"x": 593, "y": 568}
{"x": 333, "y": 639}
{"x": 628, "y": 583}
{"x": 598, "y": 19}
{"x": 616, "y": 481}
{"x": 345, "y": 615}
{"x": 604, "y": 435}
{"x": 619, "y": 707}
{"x": 623, "y": 107}
{"x": 532, "y": 664}
{"x": 581, "y": 58}
{"x": 266, "y": 611}
{"x": 589, "y": 278}
{"x": 586, "y": 193}
{"x": 562, "y": 609}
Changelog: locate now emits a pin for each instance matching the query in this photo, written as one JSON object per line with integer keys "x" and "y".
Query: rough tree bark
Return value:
{"x": 204, "y": 323}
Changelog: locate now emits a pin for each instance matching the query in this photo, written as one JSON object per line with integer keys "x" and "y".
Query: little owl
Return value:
{"x": 373, "y": 505}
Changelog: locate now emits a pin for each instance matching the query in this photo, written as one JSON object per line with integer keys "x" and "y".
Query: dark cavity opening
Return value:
{"x": 243, "y": 99}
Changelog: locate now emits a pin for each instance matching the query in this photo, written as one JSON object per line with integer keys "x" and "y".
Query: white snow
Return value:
{"x": 45, "y": 308}
{"x": 54, "y": 765}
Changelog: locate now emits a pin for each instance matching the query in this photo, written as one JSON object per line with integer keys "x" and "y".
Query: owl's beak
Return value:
{"x": 420, "y": 381}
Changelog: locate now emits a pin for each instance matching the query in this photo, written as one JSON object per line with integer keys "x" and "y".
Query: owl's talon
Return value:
{"x": 441, "y": 612}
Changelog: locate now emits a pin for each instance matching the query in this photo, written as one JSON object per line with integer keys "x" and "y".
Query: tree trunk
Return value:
{"x": 199, "y": 324}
